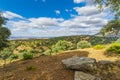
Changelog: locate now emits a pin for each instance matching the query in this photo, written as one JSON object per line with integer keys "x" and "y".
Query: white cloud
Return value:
{"x": 78, "y": 1}
{"x": 57, "y": 11}
{"x": 41, "y": 0}
{"x": 90, "y": 22}
{"x": 87, "y": 10}
{"x": 10, "y": 15}
{"x": 88, "y": 2}
{"x": 73, "y": 15}
{"x": 45, "y": 21}
{"x": 67, "y": 10}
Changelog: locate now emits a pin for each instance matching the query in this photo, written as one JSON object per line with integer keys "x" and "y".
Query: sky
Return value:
{"x": 52, "y": 18}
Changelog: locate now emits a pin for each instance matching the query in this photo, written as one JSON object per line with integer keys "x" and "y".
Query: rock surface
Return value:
{"x": 104, "y": 64}
{"x": 80, "y": 63}
{"x": 84, "y": 76}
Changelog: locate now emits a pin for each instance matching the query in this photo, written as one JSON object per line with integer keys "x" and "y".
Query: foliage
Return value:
{"x": 27, "y": 56}
{"x": 114, "y": 5}
{"x": 4, "y": 33}
{"x": 117, "y": 41}
{"x": 47, "y": 52}
{"x": 99, "y": 47}
{"x": 112, "y": 27}
{"x": 114, "y": 48}
{"x": 29, "y": 68}
{"x": 13, "y": 57}
{"x": 5, "y": 54}
{"x": 62, "y": 46}
{"x": 45, "y": 45}
{"x": 83, "y": 44}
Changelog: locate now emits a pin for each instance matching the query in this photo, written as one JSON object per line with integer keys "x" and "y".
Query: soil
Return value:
{"x": 50, "y": 67}
{"x": 43, "y": 68}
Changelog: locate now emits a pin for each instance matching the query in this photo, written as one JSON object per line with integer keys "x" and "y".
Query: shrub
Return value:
{"x": 114, "y": 48}
{"x": 5, "y": 53}
{"x": 117, "y": 41}
{"x": 27, "y": 56}
{"x": 83, "y": 44}
{"x": 62, "y": 46}
{"x": 29, "y": 68}
{"x": 99, "y": 47}
{"x": 48, "y": 52}
{"x": 13, "y": 57}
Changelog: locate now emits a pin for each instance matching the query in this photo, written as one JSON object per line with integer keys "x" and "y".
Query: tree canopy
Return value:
{"x": 114, "y": 6}
{"x": 113, "y": 27}
{"x": 4, "y": 32}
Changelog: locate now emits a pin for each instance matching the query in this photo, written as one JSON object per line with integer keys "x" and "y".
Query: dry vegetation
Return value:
{"x": 50, "y": 67}
{"x": 47, "y": 68}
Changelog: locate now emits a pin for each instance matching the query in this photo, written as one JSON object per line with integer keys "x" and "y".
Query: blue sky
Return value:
{"x": 51, "y": 18}
{"x": 39, "y": 8}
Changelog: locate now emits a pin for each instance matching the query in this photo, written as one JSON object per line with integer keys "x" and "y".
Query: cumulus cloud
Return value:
{"x": 88, "y": 21}
{"x": 78, "y": 1}
{"x": 88, "y": 17}
{"x": 88, "y": 2}
{"x": 87, "y": 10}
{"x": 57, "y": 11}
{"x": 11, "y": 15}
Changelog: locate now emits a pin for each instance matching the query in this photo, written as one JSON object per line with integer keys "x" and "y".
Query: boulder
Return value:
{"x": 84, "y": 76}
{"x": 80, "y": 63}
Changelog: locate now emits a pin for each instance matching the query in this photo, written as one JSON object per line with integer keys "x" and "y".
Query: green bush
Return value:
{"x": 5, "y": 53}
{"x": 99, "y": 47}
{"x": 13, "y": 57}
{"x": 29, "y": 68}
{"x": 83, "y": 44}
{"x": 47, "y": 52}
{"x": 114, "y": 48}
{"x": 117, "y": 41}
{"x": 62, "y": 46}
{"x": 27, "y": 56}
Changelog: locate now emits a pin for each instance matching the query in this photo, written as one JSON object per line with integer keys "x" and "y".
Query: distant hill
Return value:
{"x": 109, "y": 35}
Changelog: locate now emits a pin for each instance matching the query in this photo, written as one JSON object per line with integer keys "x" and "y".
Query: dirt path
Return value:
{"x": 99, "y": 54}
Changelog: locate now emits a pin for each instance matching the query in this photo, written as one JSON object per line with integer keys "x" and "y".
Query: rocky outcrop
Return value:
{"x": 80, "y": 63}
{"x": 104, "y": 64}
{"x": 88, "y": 69}
{"x": 84, "y": 76}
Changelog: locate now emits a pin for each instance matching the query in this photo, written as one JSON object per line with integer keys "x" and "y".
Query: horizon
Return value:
{"x": 51, "y": 18}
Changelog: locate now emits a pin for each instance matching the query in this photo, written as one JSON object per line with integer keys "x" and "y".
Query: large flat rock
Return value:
{"x": 80, "y": 63}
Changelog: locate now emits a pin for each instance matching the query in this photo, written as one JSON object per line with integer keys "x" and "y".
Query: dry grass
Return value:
{"x": 99, "y": 54}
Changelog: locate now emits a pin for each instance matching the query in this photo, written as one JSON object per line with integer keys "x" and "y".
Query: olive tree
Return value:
{"x": 114, "y": 6}
{"x": 112, "y": 27}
